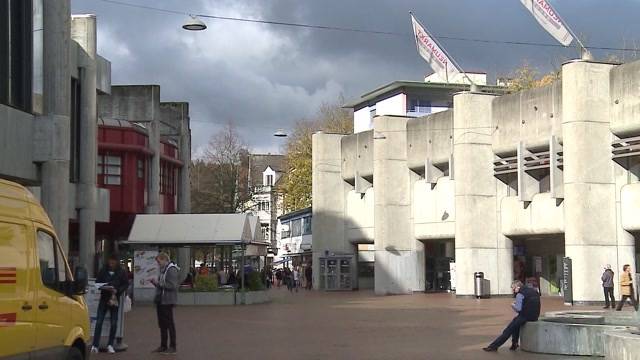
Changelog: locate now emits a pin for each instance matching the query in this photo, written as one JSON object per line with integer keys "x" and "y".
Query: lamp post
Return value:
{"x": 242, "y": 277}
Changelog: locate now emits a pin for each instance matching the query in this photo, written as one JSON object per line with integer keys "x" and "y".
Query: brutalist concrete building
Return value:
{"x": 508, "y": 185}
{"x": 51, "y": 83}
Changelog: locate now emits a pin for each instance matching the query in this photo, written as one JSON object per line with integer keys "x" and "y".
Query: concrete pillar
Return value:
{"x": 396, "y": 257}
{"x": 153, "y": 207}
{"x": 328, "y": 196}
{"x": 184, "y": 183}
{"x": 52, "y": 128}
{"x": 83, "y": 31}
{"x": 479, "y": 246}
{"x": 592, "y": 238}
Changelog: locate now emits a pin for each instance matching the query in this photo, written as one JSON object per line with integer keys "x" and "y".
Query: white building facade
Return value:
{"x": 505, "y": 185}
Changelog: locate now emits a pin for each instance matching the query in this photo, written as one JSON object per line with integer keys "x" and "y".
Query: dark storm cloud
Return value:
{"x": 265, "y": 77}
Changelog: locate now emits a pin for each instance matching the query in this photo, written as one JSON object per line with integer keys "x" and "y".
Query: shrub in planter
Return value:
{"x": 254, "y": 281}
{"x": 206, "y": 283}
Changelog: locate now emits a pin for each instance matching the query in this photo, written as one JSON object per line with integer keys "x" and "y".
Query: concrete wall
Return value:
{"x": 434, "y": 213}
{"x": 624, "y": 99}
{"x": 359, "y": 217}
{"x": 329, "y": 192}
{"x": 543, "y": 216}
{"x": 530, "y": 116}
{"x": 16, "y": 136}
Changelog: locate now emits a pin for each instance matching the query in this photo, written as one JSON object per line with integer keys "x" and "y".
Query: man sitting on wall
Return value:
{"x": 527, "y": 305}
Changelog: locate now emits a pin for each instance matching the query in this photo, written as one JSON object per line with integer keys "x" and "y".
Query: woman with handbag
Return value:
{"x": 115, "y": 284}
{"x": 165, "y": 299}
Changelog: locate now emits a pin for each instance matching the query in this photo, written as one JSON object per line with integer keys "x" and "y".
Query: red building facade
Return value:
{"x": 123, "y": 162}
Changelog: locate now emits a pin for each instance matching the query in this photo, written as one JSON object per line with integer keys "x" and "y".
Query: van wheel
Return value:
{"x": 75, "y": 354}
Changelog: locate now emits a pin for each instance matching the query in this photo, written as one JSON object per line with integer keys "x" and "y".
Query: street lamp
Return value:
{"x": 194, "y": 24}
{"x": 280, "y": 133}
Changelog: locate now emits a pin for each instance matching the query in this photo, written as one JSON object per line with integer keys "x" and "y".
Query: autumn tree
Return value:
{"x": 527, "y": 77}
{"x": 215, "y": 185}
{"x": 296, "y": 184}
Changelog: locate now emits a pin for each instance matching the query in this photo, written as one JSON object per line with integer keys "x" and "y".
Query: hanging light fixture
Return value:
{"x": 280, "y": 133}
{"x": 194, "y": 24}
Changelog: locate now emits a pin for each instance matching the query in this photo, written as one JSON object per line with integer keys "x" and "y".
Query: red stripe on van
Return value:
{"x": 7, "y": 275}
{"x": 5, "y": 281}
{"x": 8, "y": 319}
{"x": 7, "y": 269}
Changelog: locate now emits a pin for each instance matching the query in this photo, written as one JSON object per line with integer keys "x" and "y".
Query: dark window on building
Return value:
{"x": 419, "y": 105}
{"x": 16, "y": 53}
{"x": 286, "y": 230}
{"x": 167, "y": 179}
{"x": 74, "y": 146}
{"x": 110, "y": 169}
{"x": 296, "y": 227}
{"x": 306, "y": 227}
{"x": 140, "y": 168}
{"x": 269, "y": 180}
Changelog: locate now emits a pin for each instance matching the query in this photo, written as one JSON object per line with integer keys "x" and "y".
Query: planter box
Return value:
{"x": 215, "y": 298}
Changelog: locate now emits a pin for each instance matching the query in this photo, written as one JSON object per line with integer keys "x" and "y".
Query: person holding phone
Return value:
{"x": 166, "y": 298}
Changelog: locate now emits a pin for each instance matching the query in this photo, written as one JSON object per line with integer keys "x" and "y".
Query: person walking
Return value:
{"x": 165, "y": 299}
{"x": 115, "y": 283}
{"x": 288, "y": 279}
{"x": 308, "y": 274}
{"x": 626, "y": 288}
{"x": 607, "y": 286}
{"x": 527, "y": 306}
{"x": 279, "y": 277}
{"x": 296, "y": 278}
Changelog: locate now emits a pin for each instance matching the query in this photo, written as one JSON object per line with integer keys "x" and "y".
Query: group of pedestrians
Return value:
{"x": 295, "y": 278}
{"x": 626, "y": 288}
{"x": 115, "y": 282}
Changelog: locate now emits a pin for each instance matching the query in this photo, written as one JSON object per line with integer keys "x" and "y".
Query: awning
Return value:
{"x": 195, "y": 229}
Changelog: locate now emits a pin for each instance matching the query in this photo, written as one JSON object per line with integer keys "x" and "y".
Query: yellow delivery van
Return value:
{"x": 42, "y": 312}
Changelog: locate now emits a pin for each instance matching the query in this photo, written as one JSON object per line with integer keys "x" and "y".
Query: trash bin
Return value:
{"x": 481, "y": 285}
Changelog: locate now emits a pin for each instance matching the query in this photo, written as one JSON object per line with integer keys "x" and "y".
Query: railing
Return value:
{"x": 624, "y": 148}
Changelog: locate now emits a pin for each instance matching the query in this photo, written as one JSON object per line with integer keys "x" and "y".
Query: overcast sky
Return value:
{"x": 265, "y": 77}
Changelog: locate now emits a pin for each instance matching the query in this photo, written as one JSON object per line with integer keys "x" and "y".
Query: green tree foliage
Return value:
{"x": 214, "y": 178}
{"x": 296, "y": 184}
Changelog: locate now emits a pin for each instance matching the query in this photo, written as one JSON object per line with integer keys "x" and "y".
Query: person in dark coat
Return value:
{"x": 607, "y": 286}
{"x": 308, "y": 274}
{"x": 166, "y": 298}
{"x": 527, "y": 306}
{"x": 116, "y": 283}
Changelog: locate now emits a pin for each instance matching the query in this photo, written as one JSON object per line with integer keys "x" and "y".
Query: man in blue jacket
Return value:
{"x": 527, "y": 305}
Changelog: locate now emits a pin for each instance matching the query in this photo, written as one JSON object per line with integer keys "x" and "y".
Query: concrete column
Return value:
{"x": 153, "y": 207}
{"x": 184, "y": 190}
{"x": 479, "y": 246}
{"x": 591, "y": 229}
{"x": 328, "y": 195}
{"x": 83, "y": 31}
{"x": 52, "y": 128}
{"x": 396, "y": 257}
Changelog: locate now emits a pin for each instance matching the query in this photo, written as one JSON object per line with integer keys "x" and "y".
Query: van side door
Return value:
{"x": 17, "y": 296}
{"x": 53, "y": 306}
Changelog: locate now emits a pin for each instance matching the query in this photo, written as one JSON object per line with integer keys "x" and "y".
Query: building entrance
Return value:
{"x": 336, "y": 273}
{"x": 439, "y": 257}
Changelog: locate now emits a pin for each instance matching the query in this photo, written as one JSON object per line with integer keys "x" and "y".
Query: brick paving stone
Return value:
{"x": 333, "y": 325}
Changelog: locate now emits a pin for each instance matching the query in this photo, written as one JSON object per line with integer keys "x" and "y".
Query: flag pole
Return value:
{"x": 585, "y": 54}
{"x": 474, "y": 86}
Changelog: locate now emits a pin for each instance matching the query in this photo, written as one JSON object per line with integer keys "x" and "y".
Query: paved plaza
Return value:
{"x": 346, "y": 325}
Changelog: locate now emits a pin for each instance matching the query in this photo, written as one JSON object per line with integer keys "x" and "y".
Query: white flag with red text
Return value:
{"x": 431, "y": 52}
{"x": 549, "y": 19}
